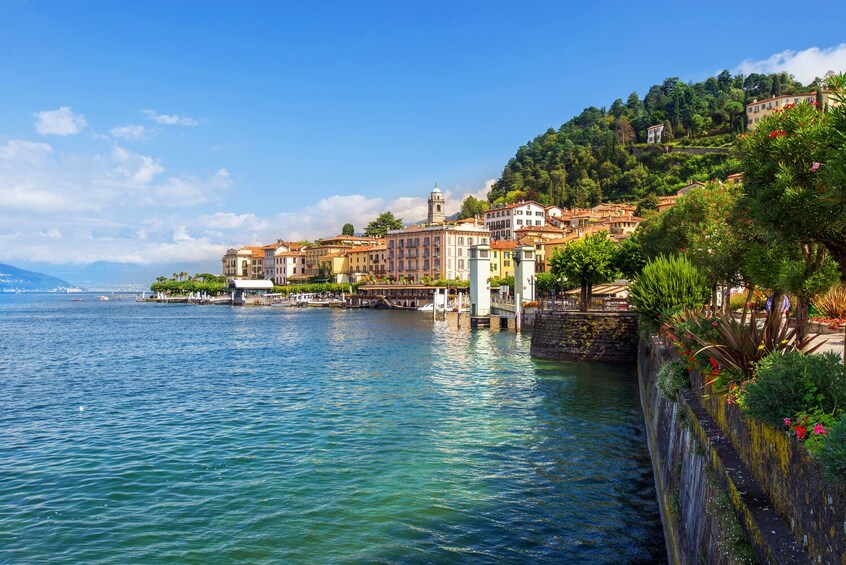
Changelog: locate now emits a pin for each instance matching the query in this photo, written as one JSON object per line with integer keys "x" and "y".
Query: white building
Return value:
{"x": 505, "y": 221}
{"x": 654, "y": 133}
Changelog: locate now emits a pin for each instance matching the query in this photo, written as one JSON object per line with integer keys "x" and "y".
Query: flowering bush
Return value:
{"x": 793, "y": 389}
{"x": 811, "y": 428}
{"x": 684, "y": 331}
{"x": 735, "y": 347}
{"x": 832, "y": 323}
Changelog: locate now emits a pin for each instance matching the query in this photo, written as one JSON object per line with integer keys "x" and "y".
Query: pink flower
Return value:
{"x": 819, "y": 429}
{"x": 787, "y": 421}
{"x": 814, "y": 167}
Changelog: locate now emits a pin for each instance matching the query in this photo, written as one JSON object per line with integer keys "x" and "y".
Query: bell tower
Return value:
{"x": 437, "y": 213}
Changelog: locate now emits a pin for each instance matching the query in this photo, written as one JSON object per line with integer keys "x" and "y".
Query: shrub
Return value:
{"x": 832, "y": 454}
{"x": 737, "y": 301}
{"x": 794, "y": 383}
{"x": 832, "y": 304}
{"x": 735, "y": 347}
{"x": 668, "y": 283}
{"x": 687, "y": 330}
{"x": 672, "y": 378}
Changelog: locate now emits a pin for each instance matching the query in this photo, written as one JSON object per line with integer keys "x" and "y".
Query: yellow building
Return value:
{"x": 365, "y": 260}
{"x": 330, "y": 246}
{"x": 501, "y": 260}
{"x": 759, "y": 109}
{"x": 334, "y": 266}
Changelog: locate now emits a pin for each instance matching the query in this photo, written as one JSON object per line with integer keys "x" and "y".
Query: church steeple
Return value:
{"x": 437, "y": 205}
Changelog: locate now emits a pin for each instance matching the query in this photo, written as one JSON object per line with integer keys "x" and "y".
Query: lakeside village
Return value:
{"x": 745, "y": 416}
{"x": 414, "y": 267}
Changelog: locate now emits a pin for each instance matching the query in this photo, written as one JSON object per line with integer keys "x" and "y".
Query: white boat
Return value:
{"x": 102, "y": 298}
{"x": 427, "y": 307}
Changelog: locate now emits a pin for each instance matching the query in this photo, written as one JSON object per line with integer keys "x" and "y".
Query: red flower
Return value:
{"x": 801, "y": 431}
{"x": 777, "y": 133}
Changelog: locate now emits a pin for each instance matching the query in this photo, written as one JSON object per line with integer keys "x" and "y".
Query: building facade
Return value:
{"x": 504, "y": 222}
{"x": 288, "y": 264}
{"x": 434, "y": 252}
{"x": 759, "y": 109}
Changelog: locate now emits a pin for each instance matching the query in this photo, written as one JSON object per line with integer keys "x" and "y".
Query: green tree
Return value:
{"x": 586, "y": 262}
{"x": 648, "y": 203}
{"x": 348, "y": 229}
{"x": 706, "y": 226}
{"x": 472, "y": 207}
{"x": 630, "y": 258}
{"x": 547, "y": 283}
{"x": 794, "y": 169}
{"x": 382, "y": 224}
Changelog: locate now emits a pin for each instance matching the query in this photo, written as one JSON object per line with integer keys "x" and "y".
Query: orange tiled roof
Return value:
{"x": 502, "y": 244}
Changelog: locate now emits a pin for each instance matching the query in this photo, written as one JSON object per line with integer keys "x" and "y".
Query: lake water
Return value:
{"x": 151, "y": 434}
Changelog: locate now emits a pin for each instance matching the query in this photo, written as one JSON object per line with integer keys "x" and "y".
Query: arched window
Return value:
{"x": 438, "y": 208}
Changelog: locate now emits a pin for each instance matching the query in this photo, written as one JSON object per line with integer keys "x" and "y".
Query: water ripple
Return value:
{"x": 267, "y": 435}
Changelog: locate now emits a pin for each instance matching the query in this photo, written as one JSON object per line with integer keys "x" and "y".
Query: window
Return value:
{"x": 437, "y": 240}
{"x": 469, "y": 241}
{"x": 519, "y": 222}
{"x": 460, "y": 241}
{"x": 461, "y": 264}
{"x": 460, "y": 252}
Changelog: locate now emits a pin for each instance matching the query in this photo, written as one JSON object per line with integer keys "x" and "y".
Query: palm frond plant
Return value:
{"x": 735, "y": 348}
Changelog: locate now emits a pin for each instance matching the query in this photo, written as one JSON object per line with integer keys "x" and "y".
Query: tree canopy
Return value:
{"x": 348, "y": 229}
{"x": 586, "y": 262}
{"x": 472, "y": 207}
{"x": 589, "y": 158}
{"x": 382, "y": 224}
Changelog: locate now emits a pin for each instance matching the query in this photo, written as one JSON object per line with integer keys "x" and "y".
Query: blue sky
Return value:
{"x": 153, "y": 132}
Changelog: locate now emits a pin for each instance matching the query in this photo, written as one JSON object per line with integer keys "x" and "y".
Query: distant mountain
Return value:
{"x": 124, "y": 277}
{"x": 14, "y": 279}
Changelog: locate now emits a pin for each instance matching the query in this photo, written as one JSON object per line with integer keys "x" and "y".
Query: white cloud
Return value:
{"x": 805, "y": 65}
{"x": 171, "y": 119}
{"x": 130, "y": 132}
{"x": 22, "y": 150}
{"x": 51, "y": 233}
{"x": 59, "y": 122}
{"x": 133, "y": 168}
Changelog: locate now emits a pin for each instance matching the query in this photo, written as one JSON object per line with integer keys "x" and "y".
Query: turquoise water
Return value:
{"x": 145, "y": 433}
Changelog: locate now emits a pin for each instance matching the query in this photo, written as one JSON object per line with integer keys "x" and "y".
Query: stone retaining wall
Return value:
{"x": 585, "y": 336}
{"x": 773, "y": 489}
